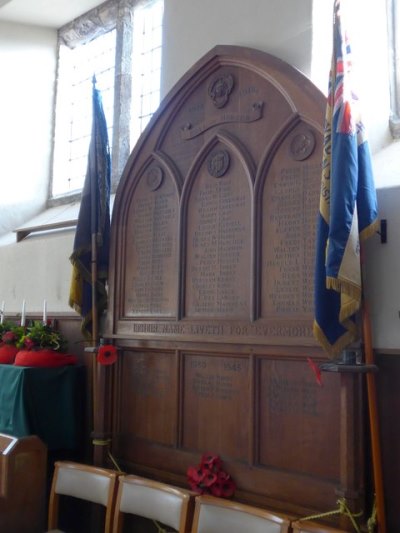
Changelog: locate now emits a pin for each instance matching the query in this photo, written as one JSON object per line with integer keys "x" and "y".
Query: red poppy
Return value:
{"x": 211, "y": 462}
{"x": 9, "y": 337}
{"x": 195, "y": 478}
{"x": 209, "y": 479}
{"x": 195, "y": 474}
{"x": 107, "y": 354}
{"x": 29, "y": 344}
{"x": 228, "y": 488}
{"x": 316, "y": 370}
{"x": 224, "y": 487}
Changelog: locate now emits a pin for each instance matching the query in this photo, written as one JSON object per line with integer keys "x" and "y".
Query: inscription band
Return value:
{"x": 223, "y": 332}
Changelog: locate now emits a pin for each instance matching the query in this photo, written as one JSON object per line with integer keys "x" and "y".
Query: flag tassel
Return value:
{"x": 352, "y": 289}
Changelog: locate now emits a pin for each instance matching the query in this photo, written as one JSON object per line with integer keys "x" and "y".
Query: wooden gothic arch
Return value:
{"x": 211, "y": 291}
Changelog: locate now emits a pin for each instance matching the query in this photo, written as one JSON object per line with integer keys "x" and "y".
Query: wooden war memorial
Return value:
{"x": 211, "y": 293}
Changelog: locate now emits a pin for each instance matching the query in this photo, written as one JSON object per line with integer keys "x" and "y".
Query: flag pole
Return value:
{"x": 373, "y": 412}
{"x": 348, "y": 213}
{"x": 88, "y": 294}
{"x": 96, "y": 378}
{"x": 95, "y": 326}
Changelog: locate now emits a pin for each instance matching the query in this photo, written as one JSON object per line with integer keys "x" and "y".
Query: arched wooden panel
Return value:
{"x": 218, "y": 230}
{"x": 288, "y": 208}
{"x": 211, "y": 290}
{"x": 151, "y": 245}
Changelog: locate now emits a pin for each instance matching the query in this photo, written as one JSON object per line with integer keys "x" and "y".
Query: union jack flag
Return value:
{"x": 348, "y": 207}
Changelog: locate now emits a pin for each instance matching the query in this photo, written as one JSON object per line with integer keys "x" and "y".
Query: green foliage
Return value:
{"x": 6, "y": 326}
{"x": 40, "y": 336}
{"x": 10, "y": 333}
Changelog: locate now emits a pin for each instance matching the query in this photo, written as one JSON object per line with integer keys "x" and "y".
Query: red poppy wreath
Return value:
{"x": 209, "y": 478}
{"x": 107, "y": 354}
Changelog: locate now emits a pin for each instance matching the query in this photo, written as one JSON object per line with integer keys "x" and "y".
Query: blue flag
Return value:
{"x": 348, "y": 207}
{"x": 93, "y": 228}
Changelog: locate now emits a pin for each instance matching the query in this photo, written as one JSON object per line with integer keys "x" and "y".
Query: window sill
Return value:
{"x": 394, "y": 124}
{"x": 55, "y": 218}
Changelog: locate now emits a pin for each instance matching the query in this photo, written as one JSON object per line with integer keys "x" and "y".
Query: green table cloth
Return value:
{"x": 46, "y": 402}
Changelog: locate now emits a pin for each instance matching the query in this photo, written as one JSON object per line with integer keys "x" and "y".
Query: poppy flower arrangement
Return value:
{"x": 42, "y": 335}
{"x": 9, "y": 338}
{"x": 209, "y": 477}
{"x": 10, "y": 334}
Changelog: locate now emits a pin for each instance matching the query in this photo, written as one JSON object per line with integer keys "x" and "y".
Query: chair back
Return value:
{"x": 85, "y": 482}
{"x": 216, "y": 514}
{"x": 154, "y": 500}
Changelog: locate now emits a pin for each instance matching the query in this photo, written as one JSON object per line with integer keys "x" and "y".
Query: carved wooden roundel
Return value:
{"x": 154, "y": 178}
{"x": 302, "y": 145}
{"x": 220, "y": 89}
{"x": 218, "y": 163}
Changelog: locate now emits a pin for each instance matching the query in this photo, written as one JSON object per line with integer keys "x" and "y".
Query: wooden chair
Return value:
{"x": 85, "y": 482}
{"x": 213, "y": 515}
{"x": 171, "y": 506}
{"x": 312, "y": 527}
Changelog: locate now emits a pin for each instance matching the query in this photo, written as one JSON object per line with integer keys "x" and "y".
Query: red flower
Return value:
{"x": 195, "y": 478}
{"x": 208, "y": 478}
{"x": 107, "y": 354}
{"x": 224, "y": 487}
{"x": 9, "y": 337}
{"x": 195, "y": 474}
{"x": 316, "y": 370}
{"x": 210, "y": 462}
{"x": 29, "y": 344}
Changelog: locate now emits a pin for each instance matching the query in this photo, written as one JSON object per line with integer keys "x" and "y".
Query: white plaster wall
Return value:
{"x": 383, "y": 268}
{"x": 37, "y": 269}
{"x": 191, "y": 28}
{"x": 383, "y": 260}
{"x": 28, "y": 63}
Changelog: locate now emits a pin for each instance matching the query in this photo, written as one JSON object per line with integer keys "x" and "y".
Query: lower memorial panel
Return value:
{"x": 148, "y": 394}
{"x": 299, "y": 420}
{"x": 217, "y": 405}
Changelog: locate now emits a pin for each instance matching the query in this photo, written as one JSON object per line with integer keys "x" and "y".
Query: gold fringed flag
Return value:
{"x": 93, "y": 228}
{"x": 348, "y": 207}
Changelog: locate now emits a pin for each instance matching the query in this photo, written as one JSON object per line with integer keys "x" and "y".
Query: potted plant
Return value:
{"x": 42, "y": 345}
{"x": 10, "y": 335}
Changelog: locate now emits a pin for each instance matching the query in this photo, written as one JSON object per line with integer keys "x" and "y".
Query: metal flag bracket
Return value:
{"x": 383, "y": 230}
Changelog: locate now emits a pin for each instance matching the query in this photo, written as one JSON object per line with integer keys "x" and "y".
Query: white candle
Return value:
{"x": 44, "y": 312}
{"x": 23, "y": 313}
{"x": 2, "y": 313}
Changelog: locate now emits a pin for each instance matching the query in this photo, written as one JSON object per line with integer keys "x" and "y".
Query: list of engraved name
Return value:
{"x": 289, "y": 252}
{"x": 154, "y": 243}
{"x": 218, "y": 243}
